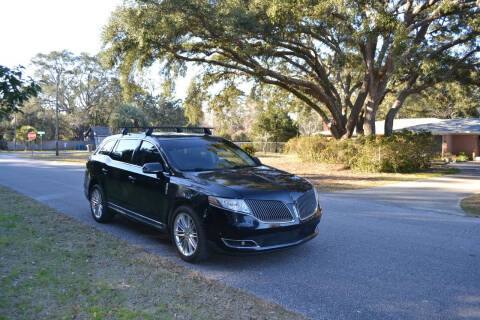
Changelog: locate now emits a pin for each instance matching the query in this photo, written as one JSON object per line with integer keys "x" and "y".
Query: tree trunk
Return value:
{"x": 369, "y": 120}
{"x": 56, "y": 115}
{"x": 376, "y": 94}
{"x": 394, "y": 110}
{"x": 356, "y": 110}
{"x": 336, "y": 132}
{"x": 360, "y": 122}
{"x": 402, "y": 95}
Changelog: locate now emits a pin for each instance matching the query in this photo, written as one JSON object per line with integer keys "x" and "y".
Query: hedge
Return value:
{"x": 402, "y": 152}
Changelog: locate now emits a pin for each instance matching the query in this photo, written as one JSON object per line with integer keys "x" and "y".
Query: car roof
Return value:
{"x": 163, "y": 136}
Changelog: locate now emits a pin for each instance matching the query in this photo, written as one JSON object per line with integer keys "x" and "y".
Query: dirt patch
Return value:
{"x": 330, "y": 177}
{"x": 471, "y": 205}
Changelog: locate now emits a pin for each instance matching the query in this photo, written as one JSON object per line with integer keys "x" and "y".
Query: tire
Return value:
{"x": 98, "y": 207}
{"x": 192, "y": 246}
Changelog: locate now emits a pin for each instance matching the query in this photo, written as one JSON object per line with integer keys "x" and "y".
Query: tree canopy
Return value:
{"x": 340, "y": 58}
{"x": 276, "y": 124}
{"x": 14, "y": 90}
{"x": 127, "y": 116}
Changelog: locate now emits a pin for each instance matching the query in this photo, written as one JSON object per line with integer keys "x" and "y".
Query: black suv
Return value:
{"x": 204, "y": 190}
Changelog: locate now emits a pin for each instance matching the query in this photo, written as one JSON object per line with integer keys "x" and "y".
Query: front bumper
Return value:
{"x": 238, "y": 233}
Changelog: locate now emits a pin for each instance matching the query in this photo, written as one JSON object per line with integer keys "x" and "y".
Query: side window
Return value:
{"x": 124, "y": 150}
{"x": 107, "y": 147}
{"x": 147, "y": 153}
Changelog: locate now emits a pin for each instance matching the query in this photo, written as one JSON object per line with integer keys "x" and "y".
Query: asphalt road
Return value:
{"x": 381, "y": 253}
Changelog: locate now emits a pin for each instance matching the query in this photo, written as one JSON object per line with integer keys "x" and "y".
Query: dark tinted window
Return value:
{"x": 147, "y": 153}
{"x": 107, "y": 147}
{"x": 205, "y": 154}
{"x": 124, "y": 150}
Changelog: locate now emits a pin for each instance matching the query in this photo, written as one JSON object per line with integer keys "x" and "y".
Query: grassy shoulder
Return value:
{"x": 329, "y": 177}
{"x": 471, "y": 205}
{"x": 52, "y": 267}
{"x": 70, "y": 157}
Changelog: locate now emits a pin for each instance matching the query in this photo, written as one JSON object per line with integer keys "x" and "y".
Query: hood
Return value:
{"x": 261, "y": 182}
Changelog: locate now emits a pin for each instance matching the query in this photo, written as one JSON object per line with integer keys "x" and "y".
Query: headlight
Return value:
{"x": 317, "y": 198}
{"x": 236, "y": 205}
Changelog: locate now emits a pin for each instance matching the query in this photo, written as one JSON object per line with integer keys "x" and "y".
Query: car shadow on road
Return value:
{"x": 158, "y": 242}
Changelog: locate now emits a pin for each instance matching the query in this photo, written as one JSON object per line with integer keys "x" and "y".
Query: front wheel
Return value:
{"x": 189, "y": 235}
{"x": 98, "y": 206}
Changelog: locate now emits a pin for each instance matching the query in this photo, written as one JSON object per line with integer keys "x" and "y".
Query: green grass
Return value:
{"x": 54, "y": 267}
{"x": 73, "y": 157}
{"x": 471, "y": 205}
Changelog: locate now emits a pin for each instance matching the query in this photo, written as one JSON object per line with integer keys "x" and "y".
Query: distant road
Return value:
{"x": 395, "y": 252}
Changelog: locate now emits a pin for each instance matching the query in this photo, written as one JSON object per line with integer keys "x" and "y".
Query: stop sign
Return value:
{"x": 31, "y": 135}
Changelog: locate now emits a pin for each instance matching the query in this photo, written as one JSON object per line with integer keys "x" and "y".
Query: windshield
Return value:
{"x": 205, "y": 154}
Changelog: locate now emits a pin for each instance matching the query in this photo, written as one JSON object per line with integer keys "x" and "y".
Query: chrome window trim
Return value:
{"x": 164, "y": 163}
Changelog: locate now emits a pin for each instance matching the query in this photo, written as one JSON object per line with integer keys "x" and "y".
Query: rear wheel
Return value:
{"x": 98, "y": 206}
{"x": 188, "y": 235}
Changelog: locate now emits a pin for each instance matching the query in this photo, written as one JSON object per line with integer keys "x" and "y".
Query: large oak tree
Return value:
{"x": 340, "y": 58}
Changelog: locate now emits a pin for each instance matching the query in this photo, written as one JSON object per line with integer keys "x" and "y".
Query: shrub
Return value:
{"x": 462, "y": 156}
{"x": 401, "y": 152}
{"x": 249, "y": 148}
{"x": 3, "y": 144}
{"x": 224, "y": 135}
{"x": 242, "y": 137}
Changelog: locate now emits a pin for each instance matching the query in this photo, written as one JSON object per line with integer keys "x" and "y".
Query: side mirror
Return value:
{"x": 257, "y": 161}
{"x": 153, "y": 167}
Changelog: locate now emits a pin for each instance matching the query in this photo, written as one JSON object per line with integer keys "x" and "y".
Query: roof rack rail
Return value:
{"x": 178, "y": 129}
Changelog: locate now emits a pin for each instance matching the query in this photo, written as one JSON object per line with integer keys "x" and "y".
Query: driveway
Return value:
{"x": 436, "y": 195}
{"x": 395, "y": 252}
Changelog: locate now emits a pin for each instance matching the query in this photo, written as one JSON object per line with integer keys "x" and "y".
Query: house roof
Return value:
{"x": 433, "y": 125}
{"x": 449, "y": 126}
{"x": 400, "y": 124}
{"x": 98, "y": 131}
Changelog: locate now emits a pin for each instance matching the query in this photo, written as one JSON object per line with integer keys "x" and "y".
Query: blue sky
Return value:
{"x": 41, "y": 26}
{"x": 33, "y": 26}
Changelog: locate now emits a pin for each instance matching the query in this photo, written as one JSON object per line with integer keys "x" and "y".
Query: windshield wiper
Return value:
{"x": 241, "y": 166}
{"x": 199, "y": 169}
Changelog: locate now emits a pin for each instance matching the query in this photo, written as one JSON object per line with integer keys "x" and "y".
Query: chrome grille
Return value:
{"x": 270, "y": 210}
{"x": 306, "y": 204}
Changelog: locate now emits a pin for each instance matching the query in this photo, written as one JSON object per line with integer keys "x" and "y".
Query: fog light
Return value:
{"x": 240, "y": 243}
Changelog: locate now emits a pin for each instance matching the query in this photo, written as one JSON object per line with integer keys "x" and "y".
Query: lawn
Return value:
{"x": 71, "y": 157}
{"x": 471, "y": 205}
{"x": 54, "y": 267}
{"x": 329, "y": 177}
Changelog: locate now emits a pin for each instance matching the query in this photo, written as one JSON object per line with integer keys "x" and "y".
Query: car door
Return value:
{"x": 150, "y": 189}
{"x": 102, "y": 166}
{"x": 120, "y": 178}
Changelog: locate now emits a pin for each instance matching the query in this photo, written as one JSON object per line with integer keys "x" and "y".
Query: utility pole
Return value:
{"x": 56, "y": 114}
{"x": 15, "y": 132}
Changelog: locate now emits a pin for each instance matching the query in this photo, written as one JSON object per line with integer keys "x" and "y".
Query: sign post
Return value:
{"x": 41, "y": 133}
{"x": 31, "y": 136}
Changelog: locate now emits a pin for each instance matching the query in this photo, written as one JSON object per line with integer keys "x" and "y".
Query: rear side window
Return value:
{"x": 147, "y": 153}
{"x": 124, "y": 150}
{"x": 107, "y": 147}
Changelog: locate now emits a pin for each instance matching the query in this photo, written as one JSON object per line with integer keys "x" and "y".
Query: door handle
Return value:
{"x": 132, "y": 179}
{"x": 104, "y": 170}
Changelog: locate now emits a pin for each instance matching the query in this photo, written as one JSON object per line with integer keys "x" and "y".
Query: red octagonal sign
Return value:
{"x": 31, "y": 135}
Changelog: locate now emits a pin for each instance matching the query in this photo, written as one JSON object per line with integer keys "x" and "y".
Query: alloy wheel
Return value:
{"x": 185, "y": 234}
{"x": 96, "y": 203}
